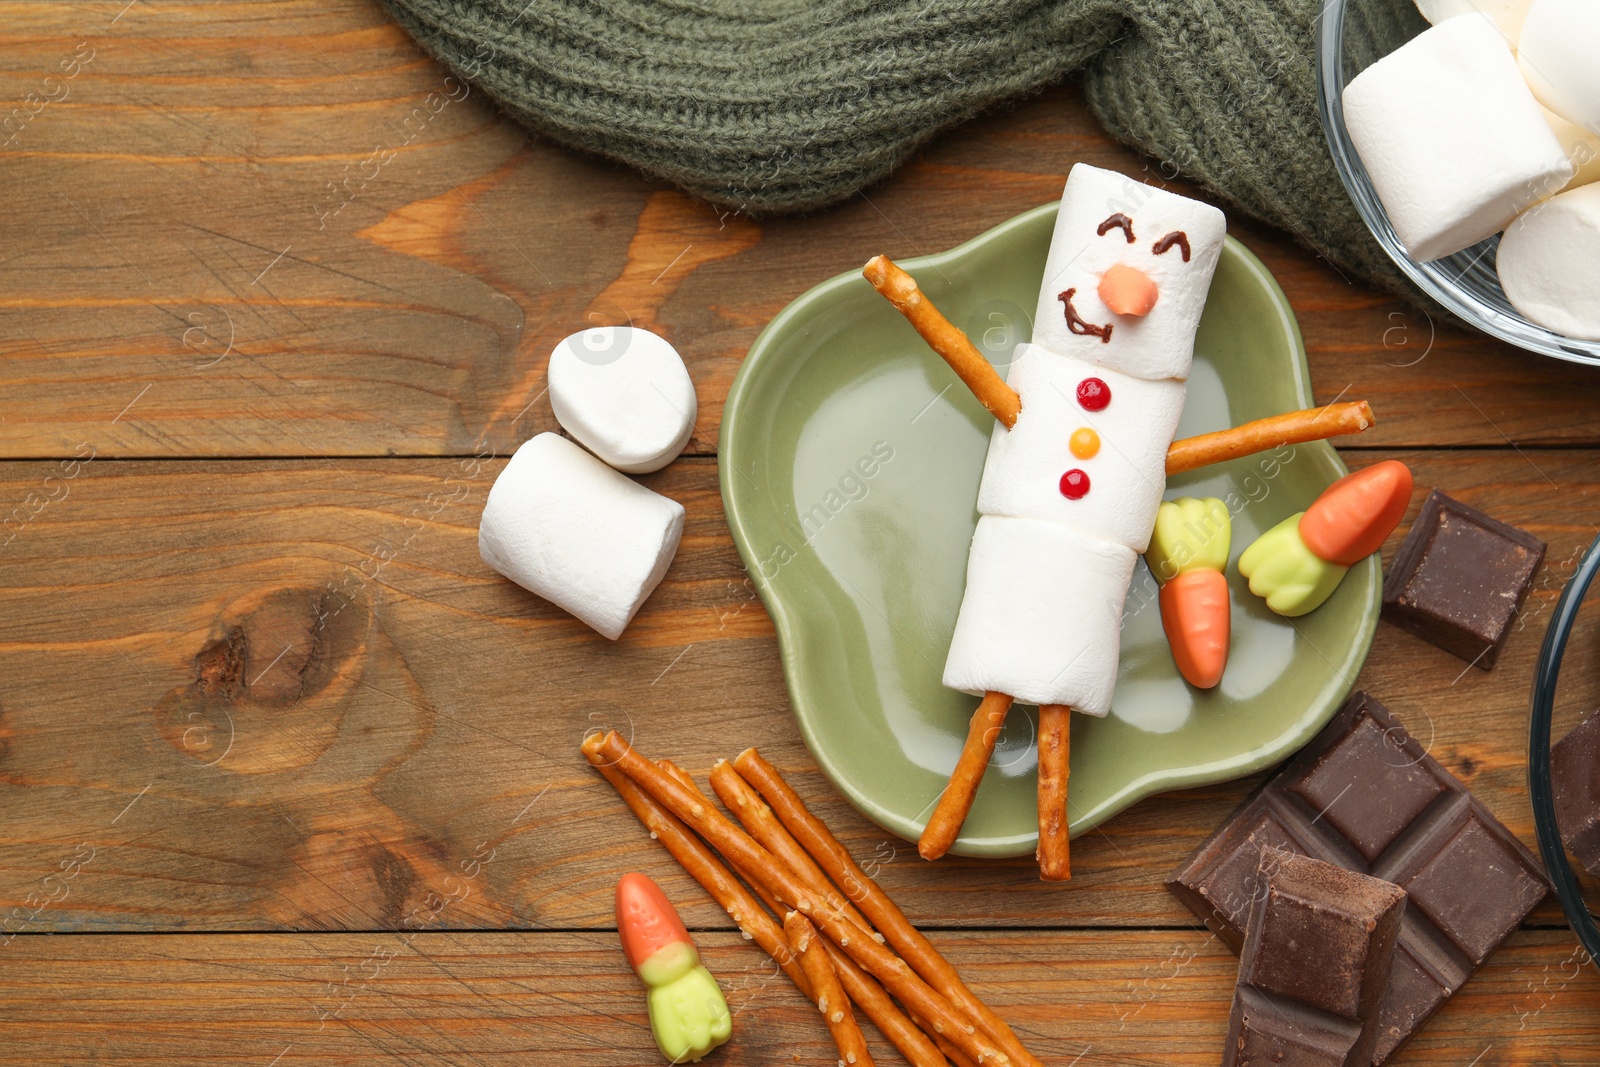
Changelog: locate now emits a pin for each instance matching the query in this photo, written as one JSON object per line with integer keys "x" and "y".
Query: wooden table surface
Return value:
{"x": 287, "y": 775}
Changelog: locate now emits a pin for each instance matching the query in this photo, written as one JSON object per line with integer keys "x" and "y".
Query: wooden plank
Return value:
{"x": 1127, "y": 998}
{"x": 168, "y": 700}
{"x": 296, "y": 236}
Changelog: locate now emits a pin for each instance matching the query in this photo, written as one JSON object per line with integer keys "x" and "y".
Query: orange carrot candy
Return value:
{"x": 688, "y": 1014}
{"x": 1351, "y": 518}
{"x": 1188, "y": 553}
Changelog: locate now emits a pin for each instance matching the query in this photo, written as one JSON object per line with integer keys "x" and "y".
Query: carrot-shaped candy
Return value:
{"x": 688, "y": 1015}
{"x": 1188, "y": 553}
{"x": 1298, "y": 563}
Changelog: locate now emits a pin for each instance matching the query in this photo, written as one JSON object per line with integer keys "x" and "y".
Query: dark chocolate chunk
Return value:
{"x": 1459, "y": 578}
{"x": 1317, "y": 955}
{"x": 1364, "y": 795}
{"x": 1575, "y": 768}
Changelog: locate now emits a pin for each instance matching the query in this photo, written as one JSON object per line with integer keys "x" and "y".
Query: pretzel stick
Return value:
{"x": 863, "y": 990}
{"x": 1290, "y": 428}
{"x": 753, "y": 813}
{"x": 956, "y": 801}
{"x": 1055, "y": 743}
{"x": 900, "y": 289}
{"x": 705, "y": 868}
{"x": 904, "y": 938}
{"x": 741, "y": 850}
{"x": 829, "y": 994}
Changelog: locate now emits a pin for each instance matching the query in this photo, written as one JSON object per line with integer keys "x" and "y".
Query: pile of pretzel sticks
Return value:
{"x": 831, "y": 929}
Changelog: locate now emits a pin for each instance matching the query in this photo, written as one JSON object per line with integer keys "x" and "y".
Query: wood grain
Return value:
{"x": 162, "y": 631}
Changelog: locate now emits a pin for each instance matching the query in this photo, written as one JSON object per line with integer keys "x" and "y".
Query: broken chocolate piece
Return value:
{"x": 1317, "y": 956}
{"x": 1365, "y": 796}
{"x": 1459, "y": 578}
{"x": 1575, "y": 770}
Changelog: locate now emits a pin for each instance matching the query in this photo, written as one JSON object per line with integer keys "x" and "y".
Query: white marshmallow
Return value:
{"x": 1549, "y": 263}
{"x": 1581, "y": 146}
{"x": 1453, "y": 140}
{"x": 1161, "y": 343}
{"x": 562, "y": 524}
{"x": 624, "y": 394}
{"x": 1022, "y": 474}
{"x": 1559, "y": 53}
{"x": 1042, "y": 615}
{"x": 1507, "y": 15}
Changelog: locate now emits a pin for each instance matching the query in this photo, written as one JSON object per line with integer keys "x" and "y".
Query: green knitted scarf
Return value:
{"x": 787, "y": 105}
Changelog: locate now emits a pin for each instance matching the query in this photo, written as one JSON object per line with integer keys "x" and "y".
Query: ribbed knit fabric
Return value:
{"x": 788, "y": 105}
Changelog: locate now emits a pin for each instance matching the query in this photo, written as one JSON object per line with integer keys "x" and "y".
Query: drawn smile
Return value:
{"x": 1078, "y": 325}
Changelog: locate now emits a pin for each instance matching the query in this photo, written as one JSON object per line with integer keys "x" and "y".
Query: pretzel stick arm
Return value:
{"x": 953, "y": 346}
{"x": 1055, "y": 739}
{"x": 739, "y": 849}
{"x": 874, "y": 903}
{"x": 829, "y": 996}
{"x": 944, "y": 825}
{"x": 1290, "y": 428}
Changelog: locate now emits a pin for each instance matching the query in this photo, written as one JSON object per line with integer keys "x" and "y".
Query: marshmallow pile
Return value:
{"x": 1069, "y": 494}
{"x": 562, "y": 522}
{"x": 1489, "y": 121}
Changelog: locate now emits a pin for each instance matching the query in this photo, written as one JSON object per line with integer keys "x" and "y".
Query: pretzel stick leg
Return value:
{"x": 1290, "y": 428}
{"x": 874, "y": 903}
{"x": 1055, "y": 740}
{"x": 944, "y": 826}
{"x": 953, "y": 346}
{"x": 825, "y": 910}
{"x": 828, "y": 993}
{"x": 695, "y": 858}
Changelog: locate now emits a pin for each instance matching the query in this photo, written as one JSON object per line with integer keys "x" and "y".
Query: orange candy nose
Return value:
{"x": 1128, "y": 290}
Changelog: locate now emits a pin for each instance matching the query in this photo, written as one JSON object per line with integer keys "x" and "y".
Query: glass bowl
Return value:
{"x": 1466, "y": 283}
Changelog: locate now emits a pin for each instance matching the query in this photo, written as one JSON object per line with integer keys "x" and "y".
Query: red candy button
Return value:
{"x": 1093, "y": 394}
{"x": 1075, "y": 483}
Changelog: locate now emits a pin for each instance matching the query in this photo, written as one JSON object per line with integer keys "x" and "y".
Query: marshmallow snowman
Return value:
{"x": 1069, "y": 494}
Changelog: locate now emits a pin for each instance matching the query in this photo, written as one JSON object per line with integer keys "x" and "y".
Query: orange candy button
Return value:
{"x": 1085, "y": 443}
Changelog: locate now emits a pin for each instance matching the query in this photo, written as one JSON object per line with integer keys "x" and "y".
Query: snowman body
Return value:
{"x": 1069, "y": 493}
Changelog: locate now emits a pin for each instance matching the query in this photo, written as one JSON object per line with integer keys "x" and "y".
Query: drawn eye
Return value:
{"x": 1176, "y": 237}
{"x": 1118, "y": 221}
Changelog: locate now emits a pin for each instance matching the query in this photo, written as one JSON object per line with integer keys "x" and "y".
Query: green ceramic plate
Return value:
{"x": 850, "y": 458}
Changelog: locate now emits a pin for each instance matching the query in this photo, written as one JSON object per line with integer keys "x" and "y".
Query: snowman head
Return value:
{"x": 1127, "y": 275}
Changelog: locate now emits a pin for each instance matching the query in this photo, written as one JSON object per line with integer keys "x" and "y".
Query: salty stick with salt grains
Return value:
{"x": 742, "y": 851}
{"x": 955, "y": 803}
{"x": 704, "y": 867}
{"x": 863, "y": 990}
{"x": 874, "y": 903}
{"x": 1290, "y": 428}
{"x": 1055, "y": 744}
{"x": 828, "y": 994}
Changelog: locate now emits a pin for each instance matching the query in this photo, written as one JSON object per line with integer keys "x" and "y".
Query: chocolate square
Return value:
{"x": 1262, "y": 1033}
{"x": 1575, "y": 770}
{"x": 1368, "y": 787}
{"x": 1459, "y": 578}
{"x": 1477, "y": 880}
{"x": 1469, "y": 882}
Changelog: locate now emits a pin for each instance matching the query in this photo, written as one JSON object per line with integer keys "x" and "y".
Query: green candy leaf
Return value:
{"x": 1289, "y": 576}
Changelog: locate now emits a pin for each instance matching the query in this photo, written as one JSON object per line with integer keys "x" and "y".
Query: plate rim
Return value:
{"x": 1368, "y": 572}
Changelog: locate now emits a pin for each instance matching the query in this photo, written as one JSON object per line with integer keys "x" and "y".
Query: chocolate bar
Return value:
{"x": 1575, "y": 770}
{"x": 1317, "y": 955}
{"x": 1365, "y": 796}
{"x": 1459, "y": 578}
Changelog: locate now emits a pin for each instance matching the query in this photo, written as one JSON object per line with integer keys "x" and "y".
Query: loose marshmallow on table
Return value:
{"x": 1042, "y": 615}
{"x": 562, "y": 524}
{"x": 1091, "y": 237}
{"x": 1507, "y": 15}
{"x": 1452, "y": 137}
{"x": 624, "y": 394}
{"x": 1117, "y": 442}
{"x": 1549, "y": 263}
{"x": 1559, "y": 53}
